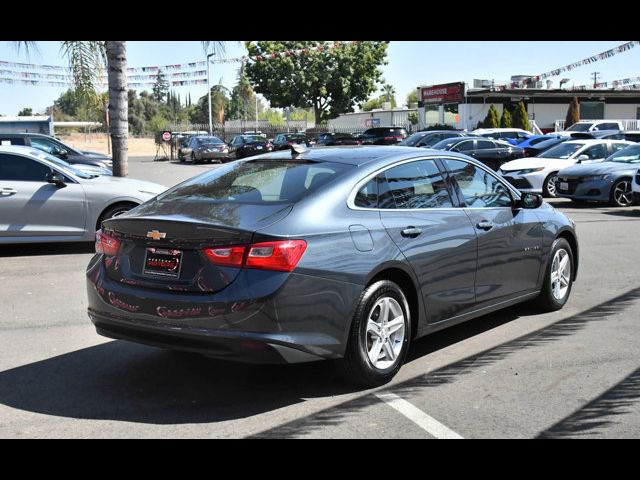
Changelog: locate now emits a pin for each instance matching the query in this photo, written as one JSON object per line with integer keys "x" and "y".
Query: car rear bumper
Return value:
{"x": 263, "y": 317}
{"x": 213, "y": 156}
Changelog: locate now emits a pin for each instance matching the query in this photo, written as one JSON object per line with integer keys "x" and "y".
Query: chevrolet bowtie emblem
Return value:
{"x": 156, "y": 235}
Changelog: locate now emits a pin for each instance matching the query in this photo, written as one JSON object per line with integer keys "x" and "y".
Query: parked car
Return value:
{"x": 539, "y": 174}
{"x": 55, "y": 147}
{"x": 544, "y": 145}
{"x": 284, "y": 141}
{"x": 632, "y": 135}
{"x": 492, "y": 153}
{"x": 204, "y": 148}
{"x": 44, "y": 201}
{"x": 514, "y": 136}
{"x": 428, "y": 138}
{"x": 383, "y": 135}
{"x": 592, "y": 125}
{"x": 338, "y": 253}
{"x": 247, "y": 145}
{"x": 635, "y": 187}
{"x": 609, "y": 181}
{"x": 600, "y": 135}
{"x": 334, "y": 139}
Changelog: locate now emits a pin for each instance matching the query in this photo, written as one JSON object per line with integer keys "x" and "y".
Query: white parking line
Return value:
{"x": 417, "y": 416}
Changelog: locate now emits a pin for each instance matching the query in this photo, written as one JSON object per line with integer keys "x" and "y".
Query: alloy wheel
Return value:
{"x": 560, "y": 274}
{"x": 551, "y": 185}
{"x": 385, "y": 333}
{"x": 622, "y": 194}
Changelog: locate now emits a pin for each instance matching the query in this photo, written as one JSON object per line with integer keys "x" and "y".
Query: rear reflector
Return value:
{"x": 281, "y": 256}
{"x": 106, "y": 243}
{"x": 226, "y": 256}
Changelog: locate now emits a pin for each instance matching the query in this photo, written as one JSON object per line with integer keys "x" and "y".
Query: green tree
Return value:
{"x": 25, "y": 112}
{"x": 413, "y": 118}
{"x": 520, "y": 117}
{"x": 274, "y": 117}
{"x": 219, "y": 103}
{"x": 412, "y": 97}
{"x": 160, "y": 87}
{"x": 491, "y": 120}
{"x": 573, "y": 113}
{"x": 505, "y": 119}
{"x": 243, "y": 99}
{"x": 331, "y": 81}
{"x": 389, "y": 94}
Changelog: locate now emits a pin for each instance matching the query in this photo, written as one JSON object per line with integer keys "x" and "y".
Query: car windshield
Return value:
{"x": 563, "y": 151}
{"x": 296, "y": 136}
{"x": 446, "y": 143}
{"x": 257, "y": 182}
{"x": 631, "y": 154}
{"x": 579, "y": 127}
{"x": 64, "y": 166}
{"x": 412, "y": 140}
{"x": 205, "y": 140}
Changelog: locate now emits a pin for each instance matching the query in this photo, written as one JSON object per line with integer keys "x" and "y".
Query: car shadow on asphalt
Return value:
{"x": 124, "y": 381}
{"x": 35, "y": 249}
{"x": 628, "y": 212}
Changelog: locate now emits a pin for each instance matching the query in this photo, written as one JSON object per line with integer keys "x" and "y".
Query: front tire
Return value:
{"x": 379, "y": 337}
{"x": 558, "y": 277}
{"x": 621, "y": 193}
{"x": 549, "y": 186}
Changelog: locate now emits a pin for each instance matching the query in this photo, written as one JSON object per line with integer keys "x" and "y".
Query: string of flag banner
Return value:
{"x": 625, "y": 47}
{"x": 32, "y": 74}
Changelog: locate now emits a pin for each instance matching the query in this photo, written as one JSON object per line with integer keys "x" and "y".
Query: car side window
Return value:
{"x": 367, "y": 196}
{"x": 479, "y": 188}
{"x": 464, "y": 146}
{"x": 44, "y": 145}
{"x": 618, "y": 146}
{"x": 22, "y": 169}
{"x": 417, "y": 184}
{"x": 485, "y": 145}
{"x": 595, "y": 152}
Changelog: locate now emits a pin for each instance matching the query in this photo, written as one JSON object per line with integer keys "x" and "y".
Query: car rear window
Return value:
{"x": 258, "y": 182}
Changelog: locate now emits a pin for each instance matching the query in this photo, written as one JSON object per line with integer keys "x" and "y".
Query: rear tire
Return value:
{"x": 549, "y": 185}
{"x": 557, "y": 280}
{"x": 381, "y": 329}
{"x": 193, "y": 158}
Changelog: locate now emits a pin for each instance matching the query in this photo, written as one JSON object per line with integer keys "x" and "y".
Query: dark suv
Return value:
{"x": 384, "y": 135}
{"x": 55, "y": 147}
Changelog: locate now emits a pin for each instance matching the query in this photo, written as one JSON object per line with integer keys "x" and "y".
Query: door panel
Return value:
{"x": 509, "y": 240}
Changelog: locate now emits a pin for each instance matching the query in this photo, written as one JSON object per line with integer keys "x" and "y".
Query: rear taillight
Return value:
{"x": 226, "y": 256}
{"x": 106, "y": 244}
{"x": 389, "y": 138}
{"x": 282, "y": 256}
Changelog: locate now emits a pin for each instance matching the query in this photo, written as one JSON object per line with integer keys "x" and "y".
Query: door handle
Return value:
{"x": 5, "y": 192}
{"x": 485, "y": 225}
{"x": 411, "y": 232}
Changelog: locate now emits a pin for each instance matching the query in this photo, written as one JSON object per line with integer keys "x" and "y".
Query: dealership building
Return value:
{"x": 455, "y": 105}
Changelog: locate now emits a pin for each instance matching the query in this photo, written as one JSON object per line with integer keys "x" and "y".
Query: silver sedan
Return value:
{"x": 45, "y": 201}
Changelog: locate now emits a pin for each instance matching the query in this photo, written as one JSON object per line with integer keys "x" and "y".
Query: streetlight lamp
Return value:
{"x": 209, "y": 94}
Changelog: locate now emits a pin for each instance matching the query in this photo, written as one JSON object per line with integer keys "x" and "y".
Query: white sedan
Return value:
{"x": 539, "y": 174}
{"x": 42, "y": 200}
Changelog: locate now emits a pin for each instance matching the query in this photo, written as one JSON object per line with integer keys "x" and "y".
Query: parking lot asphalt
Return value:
{"x": 512, "y": 374}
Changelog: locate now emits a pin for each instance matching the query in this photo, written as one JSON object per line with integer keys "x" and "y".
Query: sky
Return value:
{"x": 410, "y": 64}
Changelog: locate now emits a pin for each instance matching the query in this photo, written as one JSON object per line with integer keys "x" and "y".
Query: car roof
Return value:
{"x": 355, "y": 154}
{"x": 593, "y": 141}
{"x": 25, "y": 134}
{"x": 24, "y": 149}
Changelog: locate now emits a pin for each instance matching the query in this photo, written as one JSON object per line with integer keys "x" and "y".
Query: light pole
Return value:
{"x": 209, "y": 94}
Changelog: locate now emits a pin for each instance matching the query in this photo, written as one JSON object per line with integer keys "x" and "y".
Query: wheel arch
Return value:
{"x": 573, "y": 243}
{"x": 114, "y": 203}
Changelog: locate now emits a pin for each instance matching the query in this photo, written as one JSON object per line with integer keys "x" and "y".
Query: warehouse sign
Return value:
{"x": 441, "y": 94}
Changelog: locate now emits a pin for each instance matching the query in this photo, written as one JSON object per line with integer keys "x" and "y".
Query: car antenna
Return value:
{"x": 297, "y": 149}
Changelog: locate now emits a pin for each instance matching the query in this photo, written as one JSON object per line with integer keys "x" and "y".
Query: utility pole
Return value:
{"x": 595, "y": 78}
{"x": 209, "y": 94}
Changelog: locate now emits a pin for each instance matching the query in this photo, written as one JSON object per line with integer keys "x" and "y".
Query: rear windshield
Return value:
{"x": 206, "y": 140}
{"x": 564, "y": 150}
{"x": 264, "y": 181}
{"x": 254, "y": 139}
{"x": 579, "y": 127}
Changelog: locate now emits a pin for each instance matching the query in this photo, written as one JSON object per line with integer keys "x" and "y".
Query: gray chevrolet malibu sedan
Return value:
{"x": 344, "y": 253}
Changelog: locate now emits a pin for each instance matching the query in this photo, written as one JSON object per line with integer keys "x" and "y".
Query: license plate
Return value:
{"x": 259, "y": 148}
{"x": 564, "y": 186}
{"x": 162, "y": 262}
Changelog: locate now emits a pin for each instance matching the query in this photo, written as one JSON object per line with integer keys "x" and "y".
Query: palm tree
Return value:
{"x": 87, "y": 60}
{"x": 389, "y": 92}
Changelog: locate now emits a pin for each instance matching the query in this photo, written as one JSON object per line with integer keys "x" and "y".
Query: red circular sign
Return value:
{"x": 166, "y": 136}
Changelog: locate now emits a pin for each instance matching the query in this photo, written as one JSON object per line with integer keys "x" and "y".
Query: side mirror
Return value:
{"x": 530, "y": 200}
{"x": 62, "y": 153}
{"x": 582, "y": 158}
{"x": 57, "y": 179}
